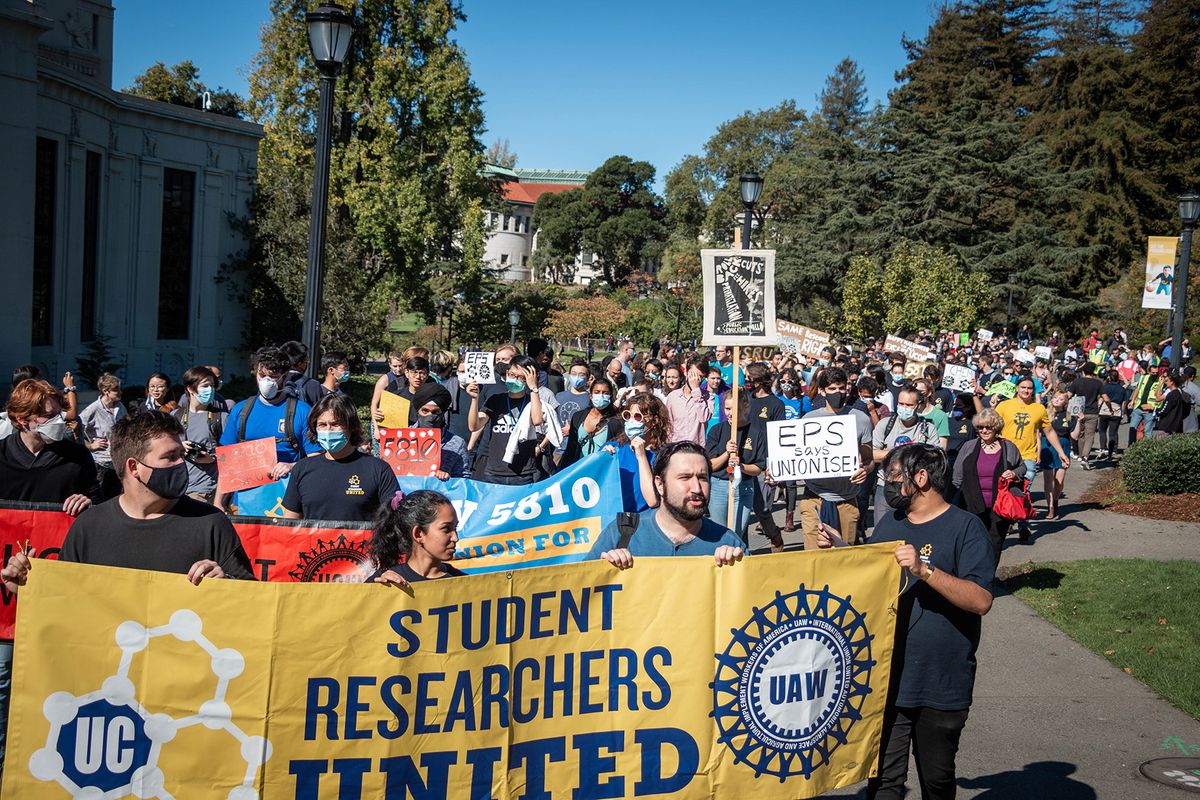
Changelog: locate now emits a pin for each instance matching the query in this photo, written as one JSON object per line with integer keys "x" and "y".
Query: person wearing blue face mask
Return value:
{"x": 593, "y": 426}
{"x": 343, "y": 483}
{"x": 335, "y": 369}
{"x": 203, "y": 422}
{"x": 500, "y": 414}
{"x": 647, "y": 429}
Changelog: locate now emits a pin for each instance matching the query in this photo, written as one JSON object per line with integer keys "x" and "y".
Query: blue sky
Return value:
{"x": 572, "y": 82}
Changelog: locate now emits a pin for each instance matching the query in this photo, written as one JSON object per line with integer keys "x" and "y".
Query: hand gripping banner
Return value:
{"x": 675, "y": 678}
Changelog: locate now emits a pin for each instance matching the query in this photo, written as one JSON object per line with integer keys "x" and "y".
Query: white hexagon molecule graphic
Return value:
{"x": 105, "y": 745}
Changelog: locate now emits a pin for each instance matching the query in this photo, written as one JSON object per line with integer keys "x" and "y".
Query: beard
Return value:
{"x": 683, "y": 509}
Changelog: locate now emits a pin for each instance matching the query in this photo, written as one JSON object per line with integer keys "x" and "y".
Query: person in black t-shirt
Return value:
{"x": 950, "y": 566}
{"x": 501, "y": 413}
{"x": 342, "y": 483}
{"x": 1089, "y": 387}
{"x": 415, "y": 538}
{"x": 151, "y": 525}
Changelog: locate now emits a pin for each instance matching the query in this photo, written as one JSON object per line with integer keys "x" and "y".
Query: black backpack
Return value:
{"x": 289, "y": 419}
{"x": 627, "y": 522}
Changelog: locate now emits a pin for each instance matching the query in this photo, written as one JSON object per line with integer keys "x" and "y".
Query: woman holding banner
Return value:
{"x": 415, "y": 538}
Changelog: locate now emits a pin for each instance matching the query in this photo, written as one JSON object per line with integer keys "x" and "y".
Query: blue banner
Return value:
{"x": 554, "y": 521}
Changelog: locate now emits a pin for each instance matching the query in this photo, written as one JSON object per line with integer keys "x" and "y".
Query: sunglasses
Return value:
{"x": 636, "y": 416}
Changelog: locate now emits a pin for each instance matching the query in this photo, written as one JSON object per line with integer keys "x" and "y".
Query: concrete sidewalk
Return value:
{"x": 1051, "y": 720}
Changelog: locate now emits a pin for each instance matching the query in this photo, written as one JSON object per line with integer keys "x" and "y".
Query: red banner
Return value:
{"x": 245, "y": 465}
{"x": 411, "y": 452}
{"x": 43, "y": 526}
{"x": 280, "y": 550}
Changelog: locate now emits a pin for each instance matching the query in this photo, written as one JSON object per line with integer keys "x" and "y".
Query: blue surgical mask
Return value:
{"x": 634, "y": 428}
{"x": 905, "y": 413}
{"x": 331, "y": 441}
{"x": 601, "y": 401}
{"x": 345, "y": 376}
{"x": 514, "y": 386}
{"x": 204, "y": 394}
{"x": 577, "y": 381}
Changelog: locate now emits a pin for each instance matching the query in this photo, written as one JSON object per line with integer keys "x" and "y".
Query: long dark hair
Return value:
{"x": 393, "y": 526}
{"x": 605, "y": 413}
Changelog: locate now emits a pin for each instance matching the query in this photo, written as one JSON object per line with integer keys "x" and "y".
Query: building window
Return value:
{"x": 175, "y": 254}
{"x": 503, "y": 259}
{"x": 524, "y": 261}
{"x": 527, "y": 224}
{"x": 587, "y": 261}
{"x": 91, "y": 247}
{"x": 44, "y": 200}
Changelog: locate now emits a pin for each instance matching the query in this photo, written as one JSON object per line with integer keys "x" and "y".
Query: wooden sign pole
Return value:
{"x": 733, "y": 429}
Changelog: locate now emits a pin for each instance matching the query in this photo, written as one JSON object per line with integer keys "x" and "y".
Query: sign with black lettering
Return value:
{"x": 812, "y": 447}
{"x": 739, "y": 297}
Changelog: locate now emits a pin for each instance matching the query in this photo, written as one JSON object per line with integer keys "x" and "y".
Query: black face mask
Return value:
{"x": 169, "y": 483}
{"x": 895, "y": 497}
{"x": 431, "y": 420}
{"x": 500, "y": 369}
{"x": 835, "y": 399}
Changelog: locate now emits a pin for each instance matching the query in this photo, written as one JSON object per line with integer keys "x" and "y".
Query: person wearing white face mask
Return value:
{"x": 903, "y": 427}
{"x": 343, "y": 483}
{"x": 204, "y": 419}
{"x": 272, "y": 414}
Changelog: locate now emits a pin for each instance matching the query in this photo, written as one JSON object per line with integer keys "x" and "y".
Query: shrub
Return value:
{"x": 1169, "y": 465}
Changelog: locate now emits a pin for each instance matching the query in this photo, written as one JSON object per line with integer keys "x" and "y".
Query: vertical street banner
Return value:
{"x": 568, "y": 681}
{"x": 739, "y": 297}
{"x": 1160, "y": 271}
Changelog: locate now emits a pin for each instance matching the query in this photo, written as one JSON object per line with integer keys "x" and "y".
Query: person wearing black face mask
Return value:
{"x": 948, "y": 568}
{"x": 428, "y": 410}
{"x": 151, "y": 525}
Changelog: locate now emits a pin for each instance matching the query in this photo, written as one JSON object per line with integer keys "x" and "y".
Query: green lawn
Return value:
{"x": 1140, "y": 615}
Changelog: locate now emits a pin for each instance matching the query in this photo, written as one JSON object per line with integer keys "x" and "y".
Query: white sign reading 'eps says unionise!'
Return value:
{"x": 812, "y": 447}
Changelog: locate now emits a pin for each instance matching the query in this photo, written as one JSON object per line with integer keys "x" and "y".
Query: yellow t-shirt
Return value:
{"x": 1022, "y": 422}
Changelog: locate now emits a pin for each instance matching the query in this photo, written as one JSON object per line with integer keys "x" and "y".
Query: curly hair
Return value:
{"x": 392, "y": 538}
{"x": 654, "y": 413}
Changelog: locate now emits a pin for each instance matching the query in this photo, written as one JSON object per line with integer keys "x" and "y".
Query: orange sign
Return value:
{"x": 411, "y": 451}
{"x": 245, "y": 465}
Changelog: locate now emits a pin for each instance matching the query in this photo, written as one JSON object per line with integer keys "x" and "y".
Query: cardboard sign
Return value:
{"x": 984, "y": 335}
{"x": 811, "y": 340}
{"x": 411, "y": 451}
{"x": 395, "y": 410}
{"x": 910, "y": 350}
{"x": 1044, "y": 352}
{"x": 1023, "y": 356}
{"x": 916, "y": 369}
{"x": 245, "y": 465}
{"x": 958, "y": 378}
{"x": 739, "y": 297}
{"x": 1160, "y": 272}
{"x": 479, "y": 367}
{"x": 812, "y": 447}
{"x": 1006, "y": 389}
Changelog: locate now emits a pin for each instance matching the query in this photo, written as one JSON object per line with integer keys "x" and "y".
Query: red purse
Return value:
{"x": 1012, "y": 500}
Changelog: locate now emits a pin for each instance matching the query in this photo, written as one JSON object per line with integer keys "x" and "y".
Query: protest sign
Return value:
{"x": 1006, "y": 389}
{"x": 262, "y": 501}
{"x": 772, "y": 686}
{"x": 810, "y": 341}
{"x": 983, "y": 335}
{"x": 789, "y": 344}
{"x": 1160, "y": 271}
{"x": 916, "y": 369}
{"x": 910, "y": 350}
{"x": 958, "y": 378}
{"x": 812, "y": 447}
{"x": 1023, "y": 356}
{"x": 479, "y": 367}
{"x": 411, "y": 451}
{"x": 739, "y": 297}
{"x": 395, "y": 411}
{"x": 1044, "y": 352}
{"x": 244, "y": 465}
{"x": 964, "y": 339}
{"x": 42, "y": 526}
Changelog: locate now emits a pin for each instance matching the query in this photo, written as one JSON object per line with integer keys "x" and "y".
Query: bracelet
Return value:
{"x": 68, "y": 388}
{"x": 932, "y": 569}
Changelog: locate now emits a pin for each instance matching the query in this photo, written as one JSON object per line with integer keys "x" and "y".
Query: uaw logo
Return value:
{"x": 792, "y": 682}
{"x": 106, "y": 744}
{"x": 340, "y": 560}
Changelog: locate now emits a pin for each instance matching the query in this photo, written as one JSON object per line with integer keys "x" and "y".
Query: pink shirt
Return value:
{"x": 689, "y": 411}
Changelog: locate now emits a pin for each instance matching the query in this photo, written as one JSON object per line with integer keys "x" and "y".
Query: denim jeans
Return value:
{"x": 718, "y": 504}
{"x": 1146, "y": 418}
{"x": 6, "y": 658}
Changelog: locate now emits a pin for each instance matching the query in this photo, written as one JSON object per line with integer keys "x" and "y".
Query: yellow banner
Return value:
{"x": 673, "y": 678}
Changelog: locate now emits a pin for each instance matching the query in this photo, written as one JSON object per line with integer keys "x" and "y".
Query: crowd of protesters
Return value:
{"x": 687, "y": 429}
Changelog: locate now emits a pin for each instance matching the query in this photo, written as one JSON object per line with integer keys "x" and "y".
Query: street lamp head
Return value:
{"x": 751, "y": 185}
{"x": 330, "y": 29}
{"x": 514, "y": 317}
{"x": 1189, "y": 207}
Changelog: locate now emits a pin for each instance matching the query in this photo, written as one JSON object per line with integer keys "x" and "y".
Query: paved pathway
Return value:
{"x": 1051, "y": 720}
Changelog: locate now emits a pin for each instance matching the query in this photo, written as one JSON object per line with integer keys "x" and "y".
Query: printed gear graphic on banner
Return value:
{"x": 105, "y": 745}
{"x": 792, "y": 682}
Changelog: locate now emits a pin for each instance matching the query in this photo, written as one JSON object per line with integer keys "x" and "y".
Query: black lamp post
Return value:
{"x": 678, "y": 287}
{"x": 514, "y": 317}
{"x": 441, "y": 307}
{"x": 751, "y": 186}
{"x": 1189, "y": 212}
{"x": 1012, "y": 279}
{"x": 330, "y": 29}
{"x": 454, "y": 301}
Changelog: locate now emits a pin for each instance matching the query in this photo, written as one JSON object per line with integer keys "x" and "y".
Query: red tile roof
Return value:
{"x": 530, "y": 192}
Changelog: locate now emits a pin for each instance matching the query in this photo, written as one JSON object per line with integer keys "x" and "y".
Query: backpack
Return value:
{"x": 891, "y": 423}
{"x": 627, "y": 522}
{"x": 289, "y": 418}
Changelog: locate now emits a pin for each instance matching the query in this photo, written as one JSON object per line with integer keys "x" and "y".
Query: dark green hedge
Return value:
{"x": 1170, "y": 465}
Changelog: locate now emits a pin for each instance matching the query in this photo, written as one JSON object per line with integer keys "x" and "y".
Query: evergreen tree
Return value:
{"x": 406, "y": 182}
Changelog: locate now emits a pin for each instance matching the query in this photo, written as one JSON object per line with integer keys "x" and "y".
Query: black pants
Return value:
{"x": 934, "y": 736}
{"x": 1110, "y": 429}
{"x": 997, "y": 529}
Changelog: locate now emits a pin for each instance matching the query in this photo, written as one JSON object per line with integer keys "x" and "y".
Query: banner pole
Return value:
{"x": 733, "y": 428}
